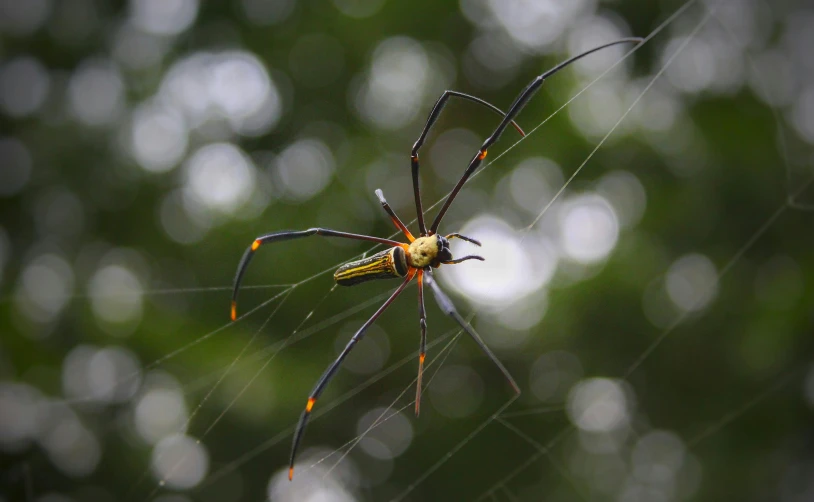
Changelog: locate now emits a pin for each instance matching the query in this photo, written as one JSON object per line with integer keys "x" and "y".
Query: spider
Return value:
{"x": 415, "y": 259}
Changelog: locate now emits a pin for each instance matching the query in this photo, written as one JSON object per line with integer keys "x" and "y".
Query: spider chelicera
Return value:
{"x": 409, "y": 260}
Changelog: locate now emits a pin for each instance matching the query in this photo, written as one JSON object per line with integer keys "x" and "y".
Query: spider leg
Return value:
{"x": 463, "y": 238}
{"x": 459, "y": 260}
{"x": 434, "y": 114}
{"x": 422, "y": 351}
{"x": 449, "y": 309}
{"x": 518, "y": 105}
{"x": 286, "y": 236}
{"x": 393, "y": 216}
{"x": 332, "y": 369}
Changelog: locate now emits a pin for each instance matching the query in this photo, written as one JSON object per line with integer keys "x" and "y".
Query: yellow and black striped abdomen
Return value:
{"x": 387, "y": 264}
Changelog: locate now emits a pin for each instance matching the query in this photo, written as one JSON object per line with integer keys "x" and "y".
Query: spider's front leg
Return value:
{"x": 434, "y": 114}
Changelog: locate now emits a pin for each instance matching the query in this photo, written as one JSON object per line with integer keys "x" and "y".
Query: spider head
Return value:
{"x": 444, "y": 254}
{"x": 433, "y": 250}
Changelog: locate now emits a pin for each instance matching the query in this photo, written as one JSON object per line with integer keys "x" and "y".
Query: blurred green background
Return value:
{"x": 657, "y": 312}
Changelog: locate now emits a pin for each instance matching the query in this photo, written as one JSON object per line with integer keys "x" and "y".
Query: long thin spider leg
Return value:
{"x": 518, "y": 105}
{"x": 422, "y": 351}
{"x": 332, "y": 369}
{"x": 449, "y": 309}
{"x": 459, "y": 260}
{"x": 286, "y": 236}
{"x": 463, "y": 238}
{"x": 393, "y": 216}
{"x": 434, "y": 114}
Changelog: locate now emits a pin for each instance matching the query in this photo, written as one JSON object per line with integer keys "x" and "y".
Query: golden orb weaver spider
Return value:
{"x": 416, "y": 259}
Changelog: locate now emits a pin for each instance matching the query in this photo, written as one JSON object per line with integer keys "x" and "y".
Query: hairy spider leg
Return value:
{"x": 422, "y": 348}
{"x": 449, "y": 309}
{"x": 515, "y": 109}
{"x": 463, "y": 238}
{"x": 393, "y": 216}
{"x": 332, "y": 369}
{"x": 290, "y": 235}
{"x": 469, "y": 257}
{"x": 434, "y": 114}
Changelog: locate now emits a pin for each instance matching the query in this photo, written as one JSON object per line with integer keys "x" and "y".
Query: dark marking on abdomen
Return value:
{"x": 387, "y": 264}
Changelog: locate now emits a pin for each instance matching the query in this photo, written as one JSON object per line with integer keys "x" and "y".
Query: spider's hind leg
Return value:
{"x": 422, "y": 351}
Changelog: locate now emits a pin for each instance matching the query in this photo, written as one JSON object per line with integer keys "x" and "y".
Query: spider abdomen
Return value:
{"x": 387, "y": 264}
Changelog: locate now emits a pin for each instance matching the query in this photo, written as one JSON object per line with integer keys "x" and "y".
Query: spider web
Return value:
{"x": 543, "y": 443}
{"x": 509, "y": 411}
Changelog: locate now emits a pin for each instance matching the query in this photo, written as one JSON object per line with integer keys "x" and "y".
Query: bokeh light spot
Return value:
{"x": 45, "y": 288}
{"x": 802, "y": 115}
{"x": 534, "y": 182}
{"x": 24, "y": 85}
{"x": 96, "y": 93}
{"x": 313, "y": 482}
{"x": 511, "y": 270}
{"x": 657, "y": 458}
{"x": 593, "y": 31}
{"x": 19, "y": 421}
{"x": 626, "y": 194}
{"x": 693, "y": 69}
{"x": 108, "y": 375}
{"x": 396, "y": 83}
{"x": 692, "y": 282}
{"x": 178, "y": 223}
{"x": 305, "y": 168}
{"x": 72, "y": 448}
{"x": 232, "y": 87}
{"x": 115, "y": 293}
{"x": 159, "y": 137}
{"x": 163, "y": 17}
{"x": 390, "y": 438}
{"x": 220, "y": 176}
{"x": 180, "y": 461}
{"x": 598, "y": 111}
{"x": 589, "y": 228}
{"x": 535, "y": 25}
{"x": 598, "y": 405}
{"x": 160, "y": 411}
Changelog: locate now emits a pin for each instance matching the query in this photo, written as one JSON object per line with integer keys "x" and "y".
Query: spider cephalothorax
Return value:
{"x": 428, "y": 251}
